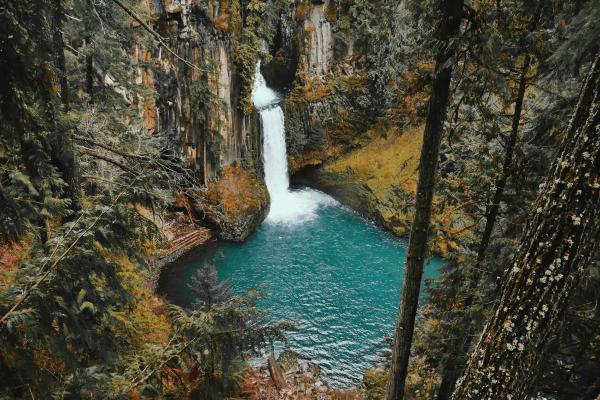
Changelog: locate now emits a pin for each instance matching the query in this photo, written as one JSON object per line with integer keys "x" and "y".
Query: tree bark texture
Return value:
{"x": 417, "y": 247}
{"x": 556, "y": 248}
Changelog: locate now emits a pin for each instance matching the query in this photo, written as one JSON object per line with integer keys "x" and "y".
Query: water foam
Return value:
{"x": 288, "y": 206}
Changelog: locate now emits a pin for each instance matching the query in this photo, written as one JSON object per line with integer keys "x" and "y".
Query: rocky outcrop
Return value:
{"x": 201, "y": 104}
{"x": 379, "y": 178}
{"x": 235, "y": 204}
{"x": 197, "y": 104}
{"x": 302, "y": 381}
{"x": 319, "y": 81}
{"x": 302, "y": 46}
{"x": 317, "y": 58}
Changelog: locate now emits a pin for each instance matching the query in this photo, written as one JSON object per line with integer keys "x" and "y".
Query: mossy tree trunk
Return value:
{"x": 417, "y": 246}
{"x": 558, "y": 243}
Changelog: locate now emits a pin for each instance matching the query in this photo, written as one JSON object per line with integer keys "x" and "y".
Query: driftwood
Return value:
{"x": 276, "y": 374}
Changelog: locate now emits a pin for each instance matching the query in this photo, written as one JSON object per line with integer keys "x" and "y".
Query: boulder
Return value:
{"x": 234, "y": 205}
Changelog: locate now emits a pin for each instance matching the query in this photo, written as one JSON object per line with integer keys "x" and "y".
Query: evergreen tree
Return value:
{"x": 560, "y": 240}
{"x": 417, "y": 245}
{"x": 75, "y": 320}
{"x": 208, "y": 291}
{"x": 38, "y": 175}
{"x": 461, "y": 299}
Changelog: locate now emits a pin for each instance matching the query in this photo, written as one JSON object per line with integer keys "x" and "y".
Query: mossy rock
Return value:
{"x": 374, "y": 383}
{"x": 235, "y": 204}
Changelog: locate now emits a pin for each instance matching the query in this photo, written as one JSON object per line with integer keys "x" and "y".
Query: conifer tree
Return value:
{"x": 555, "y": 250}
{"x": 38, "y": 172}
{"x": 417, "y": 246}
{"x": 208, "y": 290}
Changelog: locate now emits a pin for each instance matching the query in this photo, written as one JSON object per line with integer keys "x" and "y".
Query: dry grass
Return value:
{"x": 222, "y": 22}
{"x": 11, "y": 255}
{"x": 310, "y": 90}
{"x": 302, "y": 10}
{"x": 385, "y": 161}
{"x": 388, "y": 168}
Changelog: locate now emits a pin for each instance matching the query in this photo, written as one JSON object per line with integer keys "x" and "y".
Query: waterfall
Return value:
{"x": 287, "y": 206}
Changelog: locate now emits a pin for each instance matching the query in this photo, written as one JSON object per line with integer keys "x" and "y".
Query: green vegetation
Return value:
{"x": 115, "y": 115}
{"x": 486, "y": 145}
{"x": 79, "y": 317}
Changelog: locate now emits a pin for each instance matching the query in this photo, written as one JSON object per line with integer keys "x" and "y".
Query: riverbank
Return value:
{"x": 292, "y": 377}
{"x": 378, "y": 180}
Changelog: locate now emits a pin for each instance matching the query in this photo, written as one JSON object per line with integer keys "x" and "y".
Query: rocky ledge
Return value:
{"x": 291, "y": 377}
{"x": 234, "y": 204}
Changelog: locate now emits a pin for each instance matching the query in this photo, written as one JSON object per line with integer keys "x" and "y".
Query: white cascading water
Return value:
{"x": 287, "y": 206}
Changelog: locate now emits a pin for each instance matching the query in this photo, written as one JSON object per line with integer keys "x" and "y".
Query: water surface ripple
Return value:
{"x": 336, "y": 275}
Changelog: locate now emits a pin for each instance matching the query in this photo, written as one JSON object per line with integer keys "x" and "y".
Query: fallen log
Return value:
{"x": 276, "y": 374}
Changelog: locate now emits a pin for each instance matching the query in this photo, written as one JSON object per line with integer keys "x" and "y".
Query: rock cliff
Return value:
{"x": 200, "y": 106}
{"x": 310, "y": 54}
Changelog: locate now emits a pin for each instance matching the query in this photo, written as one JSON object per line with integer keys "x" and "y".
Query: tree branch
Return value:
{"x": 159, "y": 38}
{"x": 92, "y": 153}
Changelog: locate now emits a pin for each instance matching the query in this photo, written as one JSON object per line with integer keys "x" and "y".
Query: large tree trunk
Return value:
{"x": 417, "y": 246}
{"x": 452, "y": 367}
{"x": 557, "y": 245}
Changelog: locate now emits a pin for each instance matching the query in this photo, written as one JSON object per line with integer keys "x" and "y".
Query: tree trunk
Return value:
{"x": 89, "y": 78}
{"x": 453, "y": 366}
{"x": 451, "y": 371}
{"x": 492, "y": 208}
{"x": 60, "y": 54}
{"x": 417, "y": 245}
{"x": 276, "y": 374}
{"x": 557, "y": 245}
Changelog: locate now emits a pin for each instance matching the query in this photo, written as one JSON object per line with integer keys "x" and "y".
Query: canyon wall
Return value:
{"x": 202, "y": 106}
{"x": 199, "y": 106}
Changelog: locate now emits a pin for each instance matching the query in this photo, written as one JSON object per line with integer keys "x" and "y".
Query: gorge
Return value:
{"x": 333, "y": 273}
{"x": 237, "y": 199}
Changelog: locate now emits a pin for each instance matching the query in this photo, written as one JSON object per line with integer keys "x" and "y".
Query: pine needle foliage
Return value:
{"x": 208, "y": 291}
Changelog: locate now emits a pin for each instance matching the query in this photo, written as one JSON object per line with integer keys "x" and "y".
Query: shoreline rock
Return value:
{"x": 234, "y": 205}
{"x": 302, "y": 377}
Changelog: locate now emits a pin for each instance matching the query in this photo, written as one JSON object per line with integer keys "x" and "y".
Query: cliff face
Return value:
{"x": 318, "y": 52}
{"x": 304, "y": 65}
{"x": 199, "y": 107}
{"x": 307, "y": 55}
{"x": 322, "y": 114}
{"x": 202, "y": 106}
